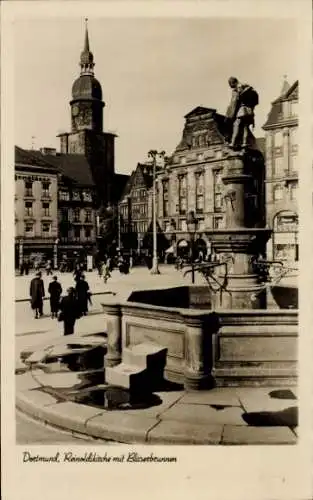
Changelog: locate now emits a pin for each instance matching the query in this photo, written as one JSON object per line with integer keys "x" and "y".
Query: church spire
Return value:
{"x": 86, "y": 57}
{"x": 86, "y": 47}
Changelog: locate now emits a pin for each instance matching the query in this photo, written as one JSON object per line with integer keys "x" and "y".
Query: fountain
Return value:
{"x": 221, "y": 333}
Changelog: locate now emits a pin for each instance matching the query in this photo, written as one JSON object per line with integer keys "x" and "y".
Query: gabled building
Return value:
{"x": 281, "y": 155}
{"x": 135, "y": 207}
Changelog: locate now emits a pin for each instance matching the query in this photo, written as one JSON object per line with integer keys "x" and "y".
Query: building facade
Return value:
{"x": 281, "y": 154}
{"x": 192, "y": 182}
{"x": 36, "y": 207}
{"x": 55, "y": 206}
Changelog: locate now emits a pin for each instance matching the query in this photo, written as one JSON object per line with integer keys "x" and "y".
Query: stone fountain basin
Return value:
{"x": 251, "y": 346}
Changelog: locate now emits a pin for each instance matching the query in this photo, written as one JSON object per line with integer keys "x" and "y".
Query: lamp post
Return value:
{"x": 192, "y": 224}
{"x": 119, "y": 225}
{"x": 55, "y": 254}
{"x": 154, "y": 155}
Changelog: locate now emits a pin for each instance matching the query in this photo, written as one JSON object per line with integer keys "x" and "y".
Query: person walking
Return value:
{"x": 77, "y": 273}
{"x": 55, "y": 290}
{"x": 26, "y": 267}
{"x": 69, "y": 311}
{"x": 37, "y": 293}
{"x": 49, "y": 268}
{"x": 107, "y": 271}
{"x": 82, "y": 293}
{"x": 100, "y": 268}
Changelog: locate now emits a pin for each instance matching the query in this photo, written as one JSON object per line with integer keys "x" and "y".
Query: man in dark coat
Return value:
{"x": 55, "y": 291}
{"x": 69, "y": 311}
{"x": 82, "y": 292}
{"x": 37, "y": 293}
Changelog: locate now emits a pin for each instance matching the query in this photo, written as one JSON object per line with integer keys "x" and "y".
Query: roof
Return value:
{"x": 200, "y": 110}
{"x": 75, "y": 167}
{"x": 30, "y": 158}
{"x": 275, "y": 113}
{"x": 214, "y": 124}
{"x": 86, "y": 87}
{"x": 140, "y": 176}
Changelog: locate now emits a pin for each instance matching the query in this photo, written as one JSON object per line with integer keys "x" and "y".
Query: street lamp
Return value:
{"x": 55, "y": 254}
{"x": 153, "y": 154}
{"x": 192, "y": 224}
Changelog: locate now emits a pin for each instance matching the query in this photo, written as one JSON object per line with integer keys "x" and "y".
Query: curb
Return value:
{"x": 135, "y": 429}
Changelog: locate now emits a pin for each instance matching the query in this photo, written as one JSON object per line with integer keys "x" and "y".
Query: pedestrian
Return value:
{"x": 69, "y": 311}
{"x": 107, "y": 271}
{"x": 100, "y": 268}
{"x": 55, "y": 290}
{"x": 26, "y": 267}
{"x": 22, "y": 268}
{"x": 82, "y": 289}
{"x": 37, "y": 293}
{"x": 77, "y": 273}
{"x": 49, "y": 268}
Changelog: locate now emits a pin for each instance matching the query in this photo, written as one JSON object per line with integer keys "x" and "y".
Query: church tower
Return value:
{"x": 87, "y": 137}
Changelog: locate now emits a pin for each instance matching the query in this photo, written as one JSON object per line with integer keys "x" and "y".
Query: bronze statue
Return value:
{"x": 240, "y": 112}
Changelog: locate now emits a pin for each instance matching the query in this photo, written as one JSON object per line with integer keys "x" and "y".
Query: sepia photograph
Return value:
{"x": 157, "y": 261}
{"x": 156, "y": 190}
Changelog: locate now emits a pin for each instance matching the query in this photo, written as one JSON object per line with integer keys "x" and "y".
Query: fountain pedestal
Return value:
{"x": 243, "y": 238}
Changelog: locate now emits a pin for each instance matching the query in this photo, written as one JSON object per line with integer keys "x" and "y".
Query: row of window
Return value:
{"x": 45, "y": 188}
{"x": 139, "y": 211}
{"x": 136, "y": 227}
{"x": 75, "y": 195}
{"x": 64, "y": 195}
{"x": 80, "y": 232}
{"x": 45, "y": 209}
{"x": 277, "y": 138}
{"x": 279, "y": 165}
{"x": 139, "y": 194}
{"x": 79, "y": 215}
{"x": 218, "y": 223}
{"x": 46, "y": 230}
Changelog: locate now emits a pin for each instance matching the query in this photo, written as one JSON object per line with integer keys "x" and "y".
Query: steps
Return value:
{"x": 141, "y": 368}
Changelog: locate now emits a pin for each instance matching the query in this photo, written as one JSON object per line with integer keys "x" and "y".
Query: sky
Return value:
{"x": 152, "y": 71}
